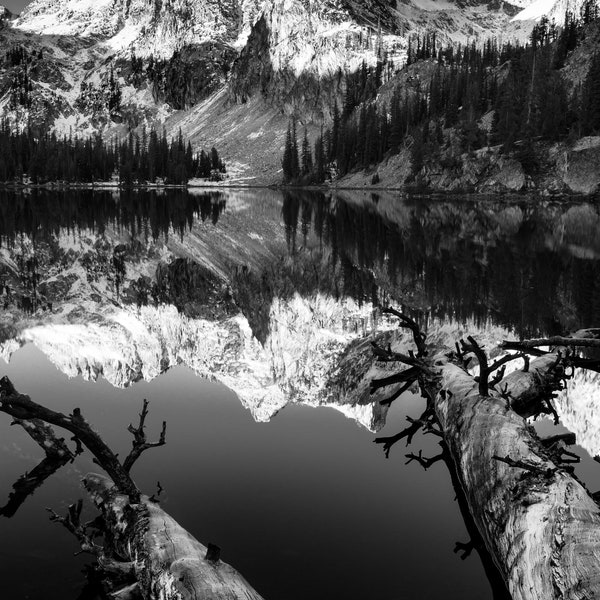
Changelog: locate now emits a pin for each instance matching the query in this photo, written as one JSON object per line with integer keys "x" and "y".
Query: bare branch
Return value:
{"x": 386, "y": 355}
{"x": 140, "y": 443}
{"x": 388, "y": 401}
{"x": 567, "y": 438}
{"x": 485, "y": 369}
{"x": 504, "y": 360}
{"x": 408, "y": 375}
{"x": 415, "y": 425}
{"x": 423, "y": 461}
{"x": 418, "y": 336}
{"x": 45, "y": 437}
{"x": 474, "y": 348}
{"x": 519, "y": 464}
{"x": 72, "y": 522}
{"x": 21, "y": 407}
{"x": 57, "y": 455}
{"x": 557, "y": 340}
{"x": 494, "y": 381}
{"x": 464, "y": 549}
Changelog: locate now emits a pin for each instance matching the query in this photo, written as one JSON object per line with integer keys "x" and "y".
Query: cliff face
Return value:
{"x": 228, "y": 72}
{"x": 155, "y": 27}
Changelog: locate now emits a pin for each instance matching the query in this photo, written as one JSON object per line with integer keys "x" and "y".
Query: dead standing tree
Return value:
{"x": 146, "y": 552}
{"x": 540, "y": 525}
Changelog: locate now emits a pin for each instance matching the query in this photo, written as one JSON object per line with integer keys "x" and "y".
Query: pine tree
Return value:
{"x": 590, "y": 98}
{"x": 319, "y": 153}
{"x": 307, "y": 161}
{"x": 335, "y": 133}
{"x": 295, "y": 154}
{"x": 287, "y": 162}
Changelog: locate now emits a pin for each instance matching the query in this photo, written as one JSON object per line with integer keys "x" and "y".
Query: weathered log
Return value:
{"x": 539, "y": 523}
{"x": 169, "y": 562}
{"x": 542, "y": 529}
{"x": 476, "y": 542}
{"x": 578, "y": 340}
{"x": 531, "y": 391}
{"x": 145, "y": 551}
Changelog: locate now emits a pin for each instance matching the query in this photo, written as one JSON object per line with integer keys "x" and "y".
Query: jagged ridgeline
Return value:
{"x": 39, "y": 158}
{"x": 452, "y": 100}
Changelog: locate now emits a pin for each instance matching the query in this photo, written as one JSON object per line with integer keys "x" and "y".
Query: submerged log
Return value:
{"x": 540, "y": 525}
{"x": 57, "y": 456}
{"x": 168, "y": 561}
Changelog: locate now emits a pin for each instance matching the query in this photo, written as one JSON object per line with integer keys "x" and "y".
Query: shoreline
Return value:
{"x": 213, "y": 186}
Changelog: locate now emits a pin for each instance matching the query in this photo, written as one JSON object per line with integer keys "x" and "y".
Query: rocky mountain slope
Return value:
{"x": 227, "y": 72}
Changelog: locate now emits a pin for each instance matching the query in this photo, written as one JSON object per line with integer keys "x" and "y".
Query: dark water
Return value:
{"x": 305, "y": 506}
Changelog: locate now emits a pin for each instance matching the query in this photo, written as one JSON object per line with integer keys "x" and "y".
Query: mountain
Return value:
{"x": 302, "y": 346}
{"x": 223, "y": 289}
{"x": 275, "y": 294}
{"x": 146, "y": 28}
{"x": 226, "y": 72}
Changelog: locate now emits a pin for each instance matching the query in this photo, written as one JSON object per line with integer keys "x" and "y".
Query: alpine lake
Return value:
{"x": 236, "y": 314}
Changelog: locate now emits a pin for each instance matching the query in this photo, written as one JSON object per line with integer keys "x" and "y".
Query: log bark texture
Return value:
{"x": 169, "y": 563}
{"x": 539, "y": 523}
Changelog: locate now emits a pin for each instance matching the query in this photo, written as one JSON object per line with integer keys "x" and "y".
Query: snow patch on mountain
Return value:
{"x": 70, "y": 17}
{"x": 145, "y": 27}
{"x": 554, "y": 10}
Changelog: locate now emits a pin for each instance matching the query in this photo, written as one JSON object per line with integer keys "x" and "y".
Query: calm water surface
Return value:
{"x": 305, "y": 506}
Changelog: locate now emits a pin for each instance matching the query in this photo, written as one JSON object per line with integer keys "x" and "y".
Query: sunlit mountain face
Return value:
{"x": 276, "y": 294}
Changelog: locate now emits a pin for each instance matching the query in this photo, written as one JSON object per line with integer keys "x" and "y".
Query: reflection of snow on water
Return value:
{"x": 578, "y": 407}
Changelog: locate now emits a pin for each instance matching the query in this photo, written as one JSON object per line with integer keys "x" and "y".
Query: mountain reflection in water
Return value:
{"x": 273, "y": 294}
{"x": 530, "y": 265}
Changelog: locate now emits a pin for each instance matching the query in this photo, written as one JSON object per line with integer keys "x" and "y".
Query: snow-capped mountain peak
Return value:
{"x": 139, "y": 26}
{"x": 554, "y": 10}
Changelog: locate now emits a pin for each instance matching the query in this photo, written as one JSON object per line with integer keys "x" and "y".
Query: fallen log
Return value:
{"x": 168, "y": 561}
{"x": 583, "y": 338}
{"x": 539, "y": 524}
{"x": 146, "y": 553}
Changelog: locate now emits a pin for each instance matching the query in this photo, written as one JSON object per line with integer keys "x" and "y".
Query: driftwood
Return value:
{"x": 539, "y": 523}
{"x": 145, "y": 552}
{"x": 168, "y": 562}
